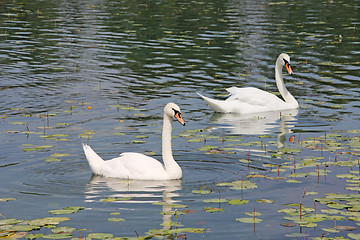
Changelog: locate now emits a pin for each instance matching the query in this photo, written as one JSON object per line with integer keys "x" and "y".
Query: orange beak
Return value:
{"x": 179, "y": 118}
{"x": 288, "y": 68}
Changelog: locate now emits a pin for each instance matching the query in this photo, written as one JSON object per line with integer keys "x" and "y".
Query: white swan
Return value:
{"x": 130, "y": 165}
{"x": 252, "y": 100}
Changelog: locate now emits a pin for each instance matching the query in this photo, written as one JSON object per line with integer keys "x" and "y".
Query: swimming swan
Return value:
{"x": 251, "y": 100}
{"x": 130, "y": 165}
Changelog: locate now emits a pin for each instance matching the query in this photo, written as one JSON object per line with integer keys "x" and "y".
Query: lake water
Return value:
{"x": 100, "y": 72}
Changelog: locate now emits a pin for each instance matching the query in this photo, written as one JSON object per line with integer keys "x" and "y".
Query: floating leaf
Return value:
{"x": 252, "y": 214}
{"x": 205, "y": 148}
{"x": 7, "y": 199}
{"x": 344, "y": 175}
{"x": 215, "y": 200}
{"x": 62, "y": 124}
{"x": 58, "y": 236}
{"x": 201, "y": 191}
{"x": 113, "y": 219}
{"x": 100, "y": 235}
{"x": 354, "y": 236}
{"x": 337, "y": 106}
{"x": 138, "y": 141}
{"x": 237, "y": 201}
{"x": 265, "y": 200}
{"x": 249, "y": 220}
{"x": 112, "y": 199}
{"x": 24, "y": 228}
{"x": 10, "y": 221}
{"x": 311, "y": 193}
{"x": 33, "y": 236}
{"x": 118, "y": 134}
{"x": 297, "y": 235}
{"x": 57, "y": 155}
{"x": 66, "y": 210}
{"x": 52, "y": 160}
{"x": 293, "y": 181}
{"x": 18, "y": 123}
{"x": 195, "y": 140}
{"x": 337, "y": 205}
{"x": 115, "y": 213}
{"x": 141, "y": 136}
{"x": 212, "y": 210}
{"x": 48, "y": 221}
{"x": 63, "y": 230}
{"x": 37, "y": 148}
{"x": 288, "y": 224}
{"x": 331, "y": 230}
{"x": 61, "y": 211}
{"x": 309, "y": 225}
{"x": 346, "y": 228}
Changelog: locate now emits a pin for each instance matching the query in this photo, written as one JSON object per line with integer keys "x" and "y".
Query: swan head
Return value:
{"x": 285, "y": 61}
{"x": 173, "y": 110}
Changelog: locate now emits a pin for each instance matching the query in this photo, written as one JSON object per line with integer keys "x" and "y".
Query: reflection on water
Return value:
{"x": 136, "y": 191}
{"x": 258, "y": 123}
{"x": 273, "y": 122}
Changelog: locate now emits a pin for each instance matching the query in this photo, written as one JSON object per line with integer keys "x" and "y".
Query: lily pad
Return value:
{"x": 24, "y": 228}
{"x": 201, "y": 191}
{"x": 212, "y": 210}
{"x": 48, "y": 221}
{"x": 114, "y": 219}
{"x": 57, "y": 155}
{"x": 10, "y": 221}
{"x": 331, "y": 230}
{"x": 138, "y": 141}
{"x": 215, "y": 200}
{"x": 58, "y": 236}
{"x": 354, "y": 236}
{"x": 18, "y": 123}
{"x": 265, "y": 200}
{"x": 100, "y": 235}
{"x": 52, "y": 160}
{"x": 249, "y": 220}
{"x": 238, "y": 201}
{"x": 7, "y": 199}
{"x": 33, "y": 236}
{"x": 112, "y": 199}
{"x": 66, "y": 210}
{"x": 63, "y": 230}
{"x": 61, "y": 211}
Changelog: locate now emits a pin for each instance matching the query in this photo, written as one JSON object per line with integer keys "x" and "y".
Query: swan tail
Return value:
{"x": 217, "y": 105}
{"x": 95, "y": 161}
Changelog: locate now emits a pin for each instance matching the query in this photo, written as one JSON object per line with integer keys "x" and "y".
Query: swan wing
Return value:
{"x": 245, "y": 101}
{"x": 131, "y": 165}
{"x": 253, "y": 96}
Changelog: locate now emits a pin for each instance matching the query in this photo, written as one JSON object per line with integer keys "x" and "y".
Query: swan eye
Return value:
{"x": 176, "y": 112}
{"x": 287, "y": 66}
{"x": 177, "y": 115}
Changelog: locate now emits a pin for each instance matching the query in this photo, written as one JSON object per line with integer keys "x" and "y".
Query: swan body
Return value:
{"x": 131, "y": 165}
{"x": 251, "y": 100}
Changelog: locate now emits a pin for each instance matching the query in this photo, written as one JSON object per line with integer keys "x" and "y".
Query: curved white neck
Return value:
{"x": 280, "y": 84}
{"x": 171, "y": 167}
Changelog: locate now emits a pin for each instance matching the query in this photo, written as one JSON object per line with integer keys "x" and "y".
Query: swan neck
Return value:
{"x": 171, "y": 167}
{"x": 280, "y": 84}
{"x": 166, "y": 140}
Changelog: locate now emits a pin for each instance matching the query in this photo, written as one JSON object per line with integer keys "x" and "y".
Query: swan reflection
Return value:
{"x": 280, "y": 122}
{"x": 137, "y": 191}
